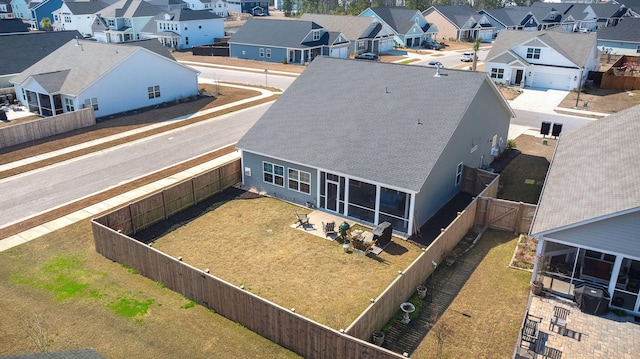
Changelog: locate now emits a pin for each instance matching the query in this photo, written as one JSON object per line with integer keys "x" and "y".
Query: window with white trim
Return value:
{"x": 533, "y": 53}
{"x": 68, "y": 105}
{"x": 273, "y": 174}
{"x": 91, "y": 102}
{"x": 154, "y": 91}
{"x": 459, "y": 173}
{"x": 261, "y": 52}
{"x": 316, "y": 35}
{"x": 299, "y": 181}
{"x": 268, "y": 53}
{"x": 638, "y": 50}
{"x": 362, "y": 45}
{"x": 497, "y": 73}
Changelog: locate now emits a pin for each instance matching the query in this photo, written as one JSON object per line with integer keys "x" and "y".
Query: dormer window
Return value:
{"x": 316, "y": 35}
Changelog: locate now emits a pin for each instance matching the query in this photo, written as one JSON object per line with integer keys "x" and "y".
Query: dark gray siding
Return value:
{"x": 252, "y": 52}
{"x": 255, "y": 181}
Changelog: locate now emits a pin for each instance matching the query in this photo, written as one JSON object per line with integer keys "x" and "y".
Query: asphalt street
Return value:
{"x": 31, "y": 193}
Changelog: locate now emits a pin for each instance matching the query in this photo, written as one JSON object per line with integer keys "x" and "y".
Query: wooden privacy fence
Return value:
{"x": 290, "y": 330}
{"x": 46, "y": 127}
{"x": 159, "y": 206}
{"x": 476, "y": 180}
{"x": 388, "y": 303}
{"x": 624, "y": 74}
{"x": 282, "y": 326}
{"x": 505, "y": 215}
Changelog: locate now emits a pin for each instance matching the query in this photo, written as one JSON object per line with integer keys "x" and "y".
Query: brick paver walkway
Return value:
{"x": 588, "y": 336}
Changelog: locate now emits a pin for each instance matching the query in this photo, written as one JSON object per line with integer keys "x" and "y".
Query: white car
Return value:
{"x": 466, "y": 57}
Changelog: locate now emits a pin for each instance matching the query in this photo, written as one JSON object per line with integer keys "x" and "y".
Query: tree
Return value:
{"x": 476, "y": 47}
{"x": 358, "y": 6}
{"x": 45, "y": 23}
{"x": 287, "y": 6}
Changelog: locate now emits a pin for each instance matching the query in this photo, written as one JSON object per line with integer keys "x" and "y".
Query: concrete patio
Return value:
{"x": 588, "y": 336}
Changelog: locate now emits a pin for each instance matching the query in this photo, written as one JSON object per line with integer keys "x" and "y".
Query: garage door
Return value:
{"x": 339, "y": 52}
{"x": 485, "y": 35}
{"x": 386, "y": 45}
{"x": 551, "y": 81}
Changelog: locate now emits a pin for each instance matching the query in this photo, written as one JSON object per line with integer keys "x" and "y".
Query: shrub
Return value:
{"x": 511, "y": 144}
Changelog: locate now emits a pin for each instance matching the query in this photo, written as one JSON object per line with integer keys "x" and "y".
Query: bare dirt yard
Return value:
{"x": 601, "y": 100}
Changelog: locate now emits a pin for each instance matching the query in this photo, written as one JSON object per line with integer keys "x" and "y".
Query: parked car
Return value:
{"x": 368, "y": 56}
{"x": 432, "y": 45}
{"x": 435, "y": 64}
{"x": 466, "y": 57}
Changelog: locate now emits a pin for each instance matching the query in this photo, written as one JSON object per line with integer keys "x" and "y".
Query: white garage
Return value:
{"x": 341, "y": 52}
{"x": 551, "y": 81}
{"x": 386, "y": 45}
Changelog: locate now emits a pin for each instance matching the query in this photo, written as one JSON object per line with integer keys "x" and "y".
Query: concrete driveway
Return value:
{"x": 539, "y": 100}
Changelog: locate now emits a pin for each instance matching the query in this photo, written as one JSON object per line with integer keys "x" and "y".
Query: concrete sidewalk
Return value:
{"x": 238, "y": 68}
{"x": 263, "y": 94}
{"x": 113, "y": 202}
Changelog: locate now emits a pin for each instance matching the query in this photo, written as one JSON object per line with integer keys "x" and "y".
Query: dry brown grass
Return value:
{"x": 601, "y": 100}
{"x": 495, "y": 297}
{"x": 250, "y": 242}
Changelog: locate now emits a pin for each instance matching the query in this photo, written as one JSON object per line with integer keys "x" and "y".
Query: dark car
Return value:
{"x": 432, "y": 45}
{"x": 368, "y": 56}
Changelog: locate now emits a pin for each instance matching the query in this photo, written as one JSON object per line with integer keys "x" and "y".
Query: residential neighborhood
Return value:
{"x": 319, "y": 180}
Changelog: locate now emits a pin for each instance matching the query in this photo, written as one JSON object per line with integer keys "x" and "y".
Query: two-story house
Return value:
{"x": 5, "y": 10}
{"x": 218, "y": 7}
{"x": 185, "y": 28}
{"x": 77, "y": 15}
{"x": 409, "y": 27}
{"x": 123, "y": 21}
{"x": 253, "y": 7}
{"x": 459, "y": 22}
{"x": 42, "y": 9}
{"x": 20, "y": 9}
{"x": 367, "y": 34}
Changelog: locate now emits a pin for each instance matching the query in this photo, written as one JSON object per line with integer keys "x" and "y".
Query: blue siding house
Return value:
{"x": 287, "y": 41}
{"x": 409, "y": 26}
{"x": 352, "y": 138}
{"x": 623, "y": 39}
{"x": 41, "y": 10}
{"x": 253, "y": 7}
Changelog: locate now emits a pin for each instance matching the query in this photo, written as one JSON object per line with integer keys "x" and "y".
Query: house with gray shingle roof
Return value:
{"x": 28, "y": 48}
{"x": 367, "y": 34}
{"x": 123, "y": 21}
{"x": 551, "y": 59}
{"x": 5, "y": 10}
{"x": 184, "y": 28}
{"x": 409, "y": 26}
{"x": 110, "y": 78}
{"x": 218, "y": 7}
{"x": 588, "y": 218}
{"x": 288, "y": 41}
{"x": 460, "y": 22}
{"x": 13, "y": 26}
{"x": 609, "y": 14}
{"x": 622, "y": 39}
{"x": 360, "y": 139}
{"x": 77, "y": 15}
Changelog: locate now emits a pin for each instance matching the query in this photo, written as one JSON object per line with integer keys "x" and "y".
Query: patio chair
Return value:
{"x": 303, "y": 220}
{"x": 329, "y": 229}
{"x": 530, "y": 332}
{"x": 559, "y": 318}
{"x": 548, "y": 352}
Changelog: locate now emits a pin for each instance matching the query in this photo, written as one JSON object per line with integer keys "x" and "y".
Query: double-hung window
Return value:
{"x": 268, "y": 53}
{"x": 261, "y": 52}
{"x": 68, "y": 105}
{"x": 497, "y": 73}
{"x": 299, "y": 181}
{"x": 273, "y": 173}
{"x": 91, "y": 102}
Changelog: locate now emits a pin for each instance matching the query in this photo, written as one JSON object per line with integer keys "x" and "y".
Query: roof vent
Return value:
{"x": 77, "y": 41}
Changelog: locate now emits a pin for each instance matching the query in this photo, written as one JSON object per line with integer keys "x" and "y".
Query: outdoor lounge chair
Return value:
{"x": 329, "y": 229}
{"x": 530, "y": 332}
{"x": 559, "y": 318}
{"x": 303, "y": 220}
